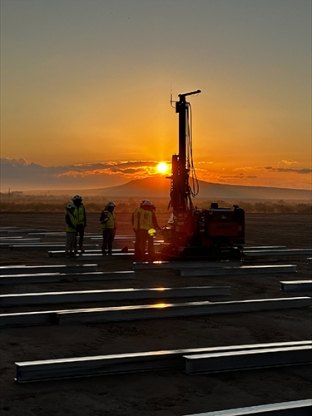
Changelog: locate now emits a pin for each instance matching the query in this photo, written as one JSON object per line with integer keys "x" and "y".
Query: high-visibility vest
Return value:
{"x": 72, "y": 217}
{"x": 142, "y": 219}
{"x": 110, "y": 220}
{"x": 80, "y": 215}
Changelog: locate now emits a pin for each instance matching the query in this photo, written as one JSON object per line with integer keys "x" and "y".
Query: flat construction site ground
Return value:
{"x": 160, "y": 392}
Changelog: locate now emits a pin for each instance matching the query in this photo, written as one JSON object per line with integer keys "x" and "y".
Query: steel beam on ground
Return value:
{"x": 173, "y": 310}
{"x": 20, "y": 230}
{"x": 91, "y": 253}
{"x": 240, "y": 270}
{"x": 264, "y": 247}
{"x": 18, "y": 239}
{"x": 151, "y": 311}
{"x": 65, "y": 277}
{"x": 292, "y": 408}
{"x": 46, "y": 298}
{"x": 296, "y": 285}
{"x": 42, "y": 246}
{"x": 30, "y": 371}
{"x": 49, "y": 233}
{"x": 91, "y": 256}
{"x": 281, "y": 252}
{"x": 176, "y": 265}
{"x": 244, "y": 360}
{"x": 22, "y": 242}
{"x": 46, "y": 268}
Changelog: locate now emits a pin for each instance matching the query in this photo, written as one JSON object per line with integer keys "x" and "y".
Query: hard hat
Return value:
{"x": 70, "y": 205}
{"x": 111, "y": 204}
{"x": 77, "y": 198}
{"x": 151, "y": 232}
{"x": 146, "y": 203}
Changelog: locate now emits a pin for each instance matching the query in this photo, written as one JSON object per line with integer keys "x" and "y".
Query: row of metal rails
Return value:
{"x": 191, "y": 361}
{"x": 194, "y": 361}
{"x": 54, "y": 243}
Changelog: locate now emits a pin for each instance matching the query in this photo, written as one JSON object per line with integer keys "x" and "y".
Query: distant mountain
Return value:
{"x": 159, "y": 187}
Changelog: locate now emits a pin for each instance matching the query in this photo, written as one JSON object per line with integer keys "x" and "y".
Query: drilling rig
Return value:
{"x": 213, "y": 233}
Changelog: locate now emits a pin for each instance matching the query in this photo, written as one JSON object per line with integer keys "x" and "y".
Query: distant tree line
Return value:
{"x": 50, "y": 203}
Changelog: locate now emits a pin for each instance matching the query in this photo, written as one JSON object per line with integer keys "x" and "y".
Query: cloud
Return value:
{"x": 288, "y": 162}
{"x": 19, "y": 174}
{"x": 302, "y": 171}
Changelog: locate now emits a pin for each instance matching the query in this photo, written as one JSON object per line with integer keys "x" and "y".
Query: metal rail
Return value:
{"x": 168, "y": 310}
{"x": 64, "y": 268}
{"x": 91, "y": 253}
{"x": 293, "y": 408}
{"x": 279, "y": 252}
{"x": 151, "y": 311}
{"x": 47, "y": 298}
{"x": 43, "y": 246}
{"x": 26, "y": 279}
{"x": 238, "y": 271}
{"x": 296, "y": 285}
{"x": 245, "y": 360}
{"x": 30, "y": 371}
{"x": 176, "y": 265}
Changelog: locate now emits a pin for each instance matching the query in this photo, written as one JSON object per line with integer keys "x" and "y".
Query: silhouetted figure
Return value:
{"x": 108, "y": 225}
{"x": 81, "y": 220}
{"x": 144, "y": 224}
{"x": 71, "y": 231}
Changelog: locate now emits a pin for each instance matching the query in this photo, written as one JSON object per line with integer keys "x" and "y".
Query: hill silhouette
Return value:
{"x": 159, "y": 187}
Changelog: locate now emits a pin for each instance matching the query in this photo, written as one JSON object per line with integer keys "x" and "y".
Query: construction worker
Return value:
{"x": 144, "y": 224}
{"x": 81, "y": 220}
{"x": 108, "y": 225}
{"x": 71, "y": 231}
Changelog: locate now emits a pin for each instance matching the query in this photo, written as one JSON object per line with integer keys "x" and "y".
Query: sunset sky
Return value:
{"x": 86, "y": 85}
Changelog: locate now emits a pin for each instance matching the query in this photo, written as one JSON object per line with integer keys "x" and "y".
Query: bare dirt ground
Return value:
{"x": 161, "y": 392}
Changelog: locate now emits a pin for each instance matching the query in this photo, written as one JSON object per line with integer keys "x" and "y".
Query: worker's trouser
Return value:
{"x": 71, "y": 242}
{"x": 108, "y": 238}
{"x": 141, "y": 238}
{"x": 80, "y": 233}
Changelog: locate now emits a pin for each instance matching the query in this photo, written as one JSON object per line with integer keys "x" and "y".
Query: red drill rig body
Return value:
{"x": 212, "y": 233}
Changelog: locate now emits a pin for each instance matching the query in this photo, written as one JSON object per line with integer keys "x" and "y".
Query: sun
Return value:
{"x": 162, "y": 167}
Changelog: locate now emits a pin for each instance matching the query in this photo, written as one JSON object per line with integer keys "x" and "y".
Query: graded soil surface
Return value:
{"x": 161, "y": 392}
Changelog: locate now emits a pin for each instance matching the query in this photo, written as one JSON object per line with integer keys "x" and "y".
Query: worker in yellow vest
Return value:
{"x": 144, "y": 223}
{"x": 108, "y": 226}
{"x": 81, "y": 220}
{"x": 71, "y": 231}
